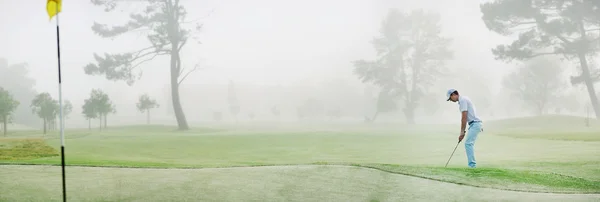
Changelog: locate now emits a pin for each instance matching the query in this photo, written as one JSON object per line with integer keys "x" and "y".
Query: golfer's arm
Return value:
{"x": 463, "y": 121}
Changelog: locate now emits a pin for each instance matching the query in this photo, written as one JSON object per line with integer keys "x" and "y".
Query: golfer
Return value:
{"x": 469, "y": 116}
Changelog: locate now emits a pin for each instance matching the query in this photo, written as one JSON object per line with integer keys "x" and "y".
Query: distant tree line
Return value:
{"x": 97, "y": 106}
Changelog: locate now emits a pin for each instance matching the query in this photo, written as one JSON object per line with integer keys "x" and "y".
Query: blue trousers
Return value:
{"x": 474, "y": 130}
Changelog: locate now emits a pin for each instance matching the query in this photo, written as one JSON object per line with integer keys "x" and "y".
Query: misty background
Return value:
{"x": 276, "y": 54}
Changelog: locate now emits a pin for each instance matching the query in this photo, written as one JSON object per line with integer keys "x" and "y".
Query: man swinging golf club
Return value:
{"x": 468, "y": 113}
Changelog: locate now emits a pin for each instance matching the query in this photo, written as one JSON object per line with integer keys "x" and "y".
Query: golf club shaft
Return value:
{"x": 451, "y": 154}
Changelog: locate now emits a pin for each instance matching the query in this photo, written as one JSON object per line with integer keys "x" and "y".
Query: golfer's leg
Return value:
{"x": 474, "y": 130}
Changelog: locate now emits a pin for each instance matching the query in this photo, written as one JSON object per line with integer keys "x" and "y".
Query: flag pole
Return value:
{"x": 62, "y": 131}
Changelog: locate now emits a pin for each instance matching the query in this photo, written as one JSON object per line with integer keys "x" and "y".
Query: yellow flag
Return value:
{"x": 53, "y": 7}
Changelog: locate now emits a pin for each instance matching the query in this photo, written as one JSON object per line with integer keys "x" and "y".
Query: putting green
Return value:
{"x": 276, "y": 183}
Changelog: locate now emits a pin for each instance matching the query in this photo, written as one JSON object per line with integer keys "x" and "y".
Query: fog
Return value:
{"x": 277, "y": 54}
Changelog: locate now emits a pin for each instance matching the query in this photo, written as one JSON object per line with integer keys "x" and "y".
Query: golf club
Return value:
{"x": 452, "y": 153}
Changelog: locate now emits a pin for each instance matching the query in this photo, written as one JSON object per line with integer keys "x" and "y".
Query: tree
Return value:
{"x": 15, "y": 78}
{"x": 102, "y": 105}
{"x": 386, "y": 102}
{"x": 45, "y": 107}
{"x": 234, "y": 106}
{"x": 89, "y": 112}
{"x": 410, "y": 55}
{"x": 538, "y": 83}
{"x": 566, "y": 28}
{"x": 98, "y": 105}
{"x": 432, "y": 101}
{"x": 67, "y": 108}
{"x": 145, "y": 104}
{"x": 7, "y": 107}
{"x": 163, "y": 22}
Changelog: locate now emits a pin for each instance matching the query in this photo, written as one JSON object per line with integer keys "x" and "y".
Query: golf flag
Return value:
{"x": 53, "y": 7}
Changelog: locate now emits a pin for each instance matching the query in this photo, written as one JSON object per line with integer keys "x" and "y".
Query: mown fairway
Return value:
{"x": 335, "y": 162}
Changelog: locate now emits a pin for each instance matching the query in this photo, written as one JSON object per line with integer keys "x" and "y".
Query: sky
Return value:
{"x": 259, "y": 42}
{"x": 254, "y": 41}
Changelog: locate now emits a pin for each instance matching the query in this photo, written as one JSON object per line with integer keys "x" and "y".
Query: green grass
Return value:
{"x": 517, "y": 180}
{"x": 25, "y": 149}
{"x": 566, "y": 136}
{"x": 550, "y": 127}
{"x": 546, "y": 121}
{"x": 506, "y": 162}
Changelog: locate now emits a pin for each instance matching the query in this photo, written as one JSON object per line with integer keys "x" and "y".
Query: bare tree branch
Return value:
{"x": 188, "y": 73}
{"x": 580, "y": 79}
{"x": 141, "y": 53}
{"x": 148, "y": 59}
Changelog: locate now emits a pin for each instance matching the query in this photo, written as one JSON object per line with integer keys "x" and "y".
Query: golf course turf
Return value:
{"x": 324, "y": 162}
